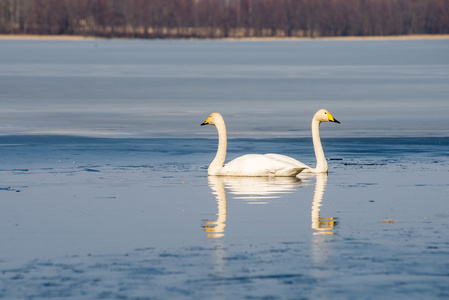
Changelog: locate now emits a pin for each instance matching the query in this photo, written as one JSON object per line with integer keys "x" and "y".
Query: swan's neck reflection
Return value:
{"x": 216, "y": 229}
{"x": 254, "y": 190}
{"x": 320, "y": 224}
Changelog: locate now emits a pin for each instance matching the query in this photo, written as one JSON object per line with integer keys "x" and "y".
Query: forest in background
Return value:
{"x": 224, "y": 18}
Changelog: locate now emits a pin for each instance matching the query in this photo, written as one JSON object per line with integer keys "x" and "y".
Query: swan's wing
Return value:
{"x": 260, "y": 165}
{"x": 287, "y": 159}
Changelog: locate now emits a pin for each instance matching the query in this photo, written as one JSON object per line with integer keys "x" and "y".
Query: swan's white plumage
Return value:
{"x": 320, "y": 116}
{"x": 287, "y": 159}
{"x": 266, "y": 164}
{"x": 260, "y": 165}
{"x": 255, "y": 165}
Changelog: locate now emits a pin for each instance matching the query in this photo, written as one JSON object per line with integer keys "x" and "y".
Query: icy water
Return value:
{"x": 140, "y": 219}
{"x": 163, "y": 88}
{"x": 104, "y": 192}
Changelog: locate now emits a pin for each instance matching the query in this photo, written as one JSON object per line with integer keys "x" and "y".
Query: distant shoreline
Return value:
{"x": 340, "y": 38}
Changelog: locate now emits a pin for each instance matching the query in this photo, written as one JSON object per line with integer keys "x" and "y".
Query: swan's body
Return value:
{"x": 266, "y": 164}
{"x": 262, "y": 165}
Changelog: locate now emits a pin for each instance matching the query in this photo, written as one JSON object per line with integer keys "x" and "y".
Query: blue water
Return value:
{"x": 140, "y": 219}
{"x": 104, "y": 192}
{"x": 165, "y": 88}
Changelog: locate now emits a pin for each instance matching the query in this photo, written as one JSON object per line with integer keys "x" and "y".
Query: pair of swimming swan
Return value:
{"x": 265, "y": 165}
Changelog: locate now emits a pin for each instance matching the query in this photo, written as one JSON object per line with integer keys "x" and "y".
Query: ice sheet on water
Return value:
{"x": 71, "y": 232}
{"x": 375, "y": 88}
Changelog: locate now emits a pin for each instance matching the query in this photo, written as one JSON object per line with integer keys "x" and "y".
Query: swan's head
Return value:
{"x": 213, "y": 119}
{"x": 324, "y": 116}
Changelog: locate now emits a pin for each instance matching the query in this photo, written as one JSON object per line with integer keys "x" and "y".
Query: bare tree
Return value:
{"x": 224, "y": 18}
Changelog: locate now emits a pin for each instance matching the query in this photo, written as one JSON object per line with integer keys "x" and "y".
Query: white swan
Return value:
{"x": 267, "y": 164}
{"x": 321, "y": 164}
{"x": 250, "y": 164}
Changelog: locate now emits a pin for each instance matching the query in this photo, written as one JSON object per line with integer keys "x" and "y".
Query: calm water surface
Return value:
{"x": 127, "y": 210}
{"x": 164, "y": 88}
{"x": 139, "y": 218}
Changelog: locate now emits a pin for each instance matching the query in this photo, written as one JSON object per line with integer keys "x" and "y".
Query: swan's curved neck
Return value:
{"x": 321, "y": 163}
{"x": 220, "y": 157}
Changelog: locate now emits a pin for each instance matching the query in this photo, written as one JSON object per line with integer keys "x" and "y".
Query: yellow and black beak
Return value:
{"x": 206, "y": 122}
{"x": 332, "y": 119}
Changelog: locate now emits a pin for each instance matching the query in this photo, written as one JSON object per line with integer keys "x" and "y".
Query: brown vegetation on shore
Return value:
{"x": 340, "y": 38}
{"x": 224, "y": 18}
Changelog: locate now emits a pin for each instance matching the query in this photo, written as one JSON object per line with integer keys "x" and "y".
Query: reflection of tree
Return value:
{"x": 224, "y": 18}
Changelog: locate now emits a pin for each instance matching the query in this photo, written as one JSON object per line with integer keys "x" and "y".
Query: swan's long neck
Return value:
{"x": 321, "y": 163}
{"x": 220, "y": 157}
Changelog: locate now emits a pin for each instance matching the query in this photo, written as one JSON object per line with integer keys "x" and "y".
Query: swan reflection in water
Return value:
{"x": 254, "y": 190}
{"x": 258, "y": 190}
{"x": 320, "y": 224}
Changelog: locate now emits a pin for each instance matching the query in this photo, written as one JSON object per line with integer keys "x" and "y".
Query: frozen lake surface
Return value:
{"x": 163, "y": 88}
{"x": 140, "y": 219}
{"x": 104, "y": 192}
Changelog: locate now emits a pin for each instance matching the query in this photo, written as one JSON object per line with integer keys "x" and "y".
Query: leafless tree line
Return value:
{"x": 224, "y": 18}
